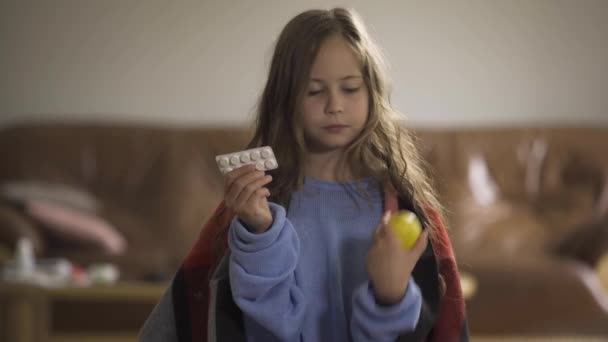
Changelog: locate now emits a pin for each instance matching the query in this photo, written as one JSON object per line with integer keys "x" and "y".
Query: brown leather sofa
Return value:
{"x": 527, "y": 207}
{"x": 156, "y": 185}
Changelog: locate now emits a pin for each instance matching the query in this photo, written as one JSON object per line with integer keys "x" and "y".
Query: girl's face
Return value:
{"x": 335, "y": 107}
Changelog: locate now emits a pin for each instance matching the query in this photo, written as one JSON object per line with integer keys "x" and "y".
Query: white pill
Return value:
{"x": 259, "y": 166}
{"x": 255, "y": 155}
{"x": 244, "y": 158}
{"x": 223, "y": 162}
{"x": 270, "y": 164}
{"x": 234, "y": 160}
{"x": 266, "y": 153}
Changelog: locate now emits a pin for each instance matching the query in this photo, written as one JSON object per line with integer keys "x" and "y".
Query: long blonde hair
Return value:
{"x": 384, "y": 149}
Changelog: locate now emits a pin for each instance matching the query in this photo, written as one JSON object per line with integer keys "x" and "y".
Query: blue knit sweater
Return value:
{"x": 305, "y": 278}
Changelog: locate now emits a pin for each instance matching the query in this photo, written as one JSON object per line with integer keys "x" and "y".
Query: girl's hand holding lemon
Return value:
{"x": 398, "y": 244}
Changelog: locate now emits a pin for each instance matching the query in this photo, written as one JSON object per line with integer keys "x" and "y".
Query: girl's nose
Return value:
{"x": 334, "y": 103}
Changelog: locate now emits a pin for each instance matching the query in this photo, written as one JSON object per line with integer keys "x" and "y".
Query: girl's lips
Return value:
{"x": 335, "y": 128}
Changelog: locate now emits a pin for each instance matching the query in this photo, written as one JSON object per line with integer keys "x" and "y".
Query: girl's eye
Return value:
{"x": 313, "y": 92}
{"x": 351, "y": 90}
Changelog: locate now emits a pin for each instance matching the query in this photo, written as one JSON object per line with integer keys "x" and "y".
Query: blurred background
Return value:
{"x": 111, "y": 113}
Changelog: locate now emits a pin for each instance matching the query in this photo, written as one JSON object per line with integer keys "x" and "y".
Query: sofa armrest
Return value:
{"x": 536, "y": 297}
{"x": 586, "y": 242}
{"x": 15, "y": 225}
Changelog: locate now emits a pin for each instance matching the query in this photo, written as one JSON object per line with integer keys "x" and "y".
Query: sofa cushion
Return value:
{"x": 76, "y": 225}
{"x": 21, "y": 191}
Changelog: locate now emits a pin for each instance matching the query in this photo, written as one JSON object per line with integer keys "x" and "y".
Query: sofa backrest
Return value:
{"x": 518, "y": 189}
{"x": 505, "y": 190}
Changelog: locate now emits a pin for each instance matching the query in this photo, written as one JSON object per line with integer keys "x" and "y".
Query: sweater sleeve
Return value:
{"x": 263, "y": 281}
{"x": 373, "y": 322}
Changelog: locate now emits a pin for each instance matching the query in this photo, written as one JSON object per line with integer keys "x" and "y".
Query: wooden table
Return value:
{"x": 29, "y": 313}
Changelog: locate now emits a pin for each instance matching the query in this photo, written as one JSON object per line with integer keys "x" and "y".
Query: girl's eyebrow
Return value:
{"x": 342, "y": 79}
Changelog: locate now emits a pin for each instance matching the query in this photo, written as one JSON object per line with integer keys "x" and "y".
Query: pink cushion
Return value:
{"x": 76, "y": 224}
{"x": 21, "y": 191}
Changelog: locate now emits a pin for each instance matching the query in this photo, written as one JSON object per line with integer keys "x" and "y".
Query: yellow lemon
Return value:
{"x": 407, "y": 227}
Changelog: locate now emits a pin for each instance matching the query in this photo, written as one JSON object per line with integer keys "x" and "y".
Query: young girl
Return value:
{"x": 303, "y": 253}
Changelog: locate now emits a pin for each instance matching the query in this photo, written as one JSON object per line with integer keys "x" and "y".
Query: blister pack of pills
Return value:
{"x": 262, "y": 157}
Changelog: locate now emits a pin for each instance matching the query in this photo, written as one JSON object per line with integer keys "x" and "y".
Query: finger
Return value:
{"x": 377, "y": 233}
{"x": 386, "y": 217}
{"x": 251, "y": 189}
{"x": 233, "y": 192}
{"x": 261, "y": 196}
{"x": 262, "y": 193}
{"x": 391, "y": 236}
{"x": 421, "y": 244}
{"x": 384, "y": 223}
{"x": 235, "y": 174}
{"x": 248, "y": 189}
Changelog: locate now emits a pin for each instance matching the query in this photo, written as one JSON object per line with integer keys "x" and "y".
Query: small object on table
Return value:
{"x": 103, "y": 274}
{"x": 24, "y": 259}
{"x": 468, "y": 283}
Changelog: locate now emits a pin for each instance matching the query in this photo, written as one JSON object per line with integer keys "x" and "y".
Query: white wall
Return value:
{"x": 461, "y": 62}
